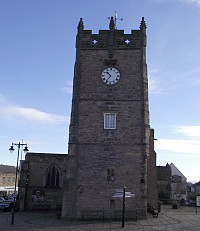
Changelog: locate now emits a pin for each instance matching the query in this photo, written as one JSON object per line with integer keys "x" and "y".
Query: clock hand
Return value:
{"x": 109, "y": 76}
{"x": 108, "y": 73}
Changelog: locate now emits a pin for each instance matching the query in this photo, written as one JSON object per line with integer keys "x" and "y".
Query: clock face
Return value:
{"x": 110, "y": 75}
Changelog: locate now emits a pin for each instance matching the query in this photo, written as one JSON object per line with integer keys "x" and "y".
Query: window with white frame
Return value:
{"x": 109, "y": 120}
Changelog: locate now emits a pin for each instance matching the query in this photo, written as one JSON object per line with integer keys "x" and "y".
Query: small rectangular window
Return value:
{"x": 109, "y": 120}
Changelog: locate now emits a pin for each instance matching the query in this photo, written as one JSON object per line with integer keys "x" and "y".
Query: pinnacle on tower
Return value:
{"x": 80, "y": 25}
{"x": 112, "y": 23}
{"x": 143, "y": 24}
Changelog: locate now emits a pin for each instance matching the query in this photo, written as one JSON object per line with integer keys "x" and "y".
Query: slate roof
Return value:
{"x": 7, "y": 169}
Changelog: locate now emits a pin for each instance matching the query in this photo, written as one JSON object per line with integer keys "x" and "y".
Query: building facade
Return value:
{"x": 109, "y": 131}
{"x": 152, "y": 189}
{"x": 178, "y": 184}
{"x": 7, "y": 179}
{"x": 111, "y": 144}
{"x": 164, "y": 176}
{"x": 41, "y": 181}
{"x": 172, "y": 184}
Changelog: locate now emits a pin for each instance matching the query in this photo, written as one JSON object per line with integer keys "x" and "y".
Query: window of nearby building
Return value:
{"x": 53, "y": 177}
{"x": 109, "y": 120}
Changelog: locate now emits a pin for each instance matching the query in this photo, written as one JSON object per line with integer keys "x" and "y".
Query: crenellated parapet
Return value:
{"x": 114, "y": 38}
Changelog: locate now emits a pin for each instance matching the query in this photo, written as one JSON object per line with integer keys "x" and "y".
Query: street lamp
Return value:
{"x": 11, "y": 149}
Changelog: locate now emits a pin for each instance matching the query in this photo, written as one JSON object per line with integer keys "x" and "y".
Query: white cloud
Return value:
{"x": 197, "y": 2}
{"x": 154, "y": 83}
{"x": 154, "y": 87}
{"x": 32, "y": 114}
{"x": 190, "y": 131}
{"x": 195, "y": 78}
{"x": 167, "y": 82}
{"x": 178, "y": 146}
{"x": 11, "y": 111}
{"x": 190, "y": 145}
{"x": 68, "y": 87}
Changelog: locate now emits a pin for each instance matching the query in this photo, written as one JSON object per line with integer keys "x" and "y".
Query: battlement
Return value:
{"x": 111, "y": 38}
{"x": 107, "y": 38}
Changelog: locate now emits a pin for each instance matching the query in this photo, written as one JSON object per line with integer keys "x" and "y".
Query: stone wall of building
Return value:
{"x": 152, "y": 188}
{"x": 108, "y": 159}
{"x": 100, "y": 160}
{"x": 164, "y": 183}
{"x": 41, "y": 181}
{"x": 7, "y": 179}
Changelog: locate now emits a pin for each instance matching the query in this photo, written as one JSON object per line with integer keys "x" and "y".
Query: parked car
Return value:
{"x": 191, "y": 203}
{"x": 2, "y": 199}
{"x": 6, "y": 206}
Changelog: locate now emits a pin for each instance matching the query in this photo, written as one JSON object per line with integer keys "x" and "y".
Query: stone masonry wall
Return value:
{"x": 122, "y": 151}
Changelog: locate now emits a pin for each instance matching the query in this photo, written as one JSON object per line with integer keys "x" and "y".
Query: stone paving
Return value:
{"x": 185, "y": 219}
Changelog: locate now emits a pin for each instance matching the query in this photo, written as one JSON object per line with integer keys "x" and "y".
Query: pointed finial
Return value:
{"x": 143, "y": 24}
{"x": 112, "y": 23}
{"x": 80, "y": 25}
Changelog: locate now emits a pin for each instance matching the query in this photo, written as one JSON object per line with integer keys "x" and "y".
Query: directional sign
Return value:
{"x": 198, "y": 200}
{"x": 119, "y": 194}
{"x": 119, "y": 190}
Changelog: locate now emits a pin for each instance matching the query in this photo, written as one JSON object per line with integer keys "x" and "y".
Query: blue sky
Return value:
{"x": 37, "y": 54}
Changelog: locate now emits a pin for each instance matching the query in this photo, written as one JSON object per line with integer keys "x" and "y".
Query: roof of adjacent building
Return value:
{"x": 7, "y": 169}
{"x": 164, "y": 172}
{"x": 168, "y": 172}
{"x": 176, "y": 171}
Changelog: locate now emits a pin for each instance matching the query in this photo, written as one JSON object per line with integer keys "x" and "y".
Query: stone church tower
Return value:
{"x": 109, "y": 129}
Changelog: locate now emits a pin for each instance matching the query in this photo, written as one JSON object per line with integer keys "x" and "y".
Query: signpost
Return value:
{"x": 121, "y": 193}
{"x": 197, "y": 202}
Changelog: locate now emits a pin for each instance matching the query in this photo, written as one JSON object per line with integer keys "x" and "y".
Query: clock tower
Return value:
{"x": 109, "y": 129}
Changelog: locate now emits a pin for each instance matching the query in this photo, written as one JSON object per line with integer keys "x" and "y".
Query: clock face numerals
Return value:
{"x": 110, "y": 75}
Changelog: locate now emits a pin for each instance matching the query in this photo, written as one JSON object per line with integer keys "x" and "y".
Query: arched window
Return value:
{"x": 53, "y": 177}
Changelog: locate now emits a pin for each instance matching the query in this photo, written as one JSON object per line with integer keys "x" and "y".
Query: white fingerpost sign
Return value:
{"x": 198, "y": 200}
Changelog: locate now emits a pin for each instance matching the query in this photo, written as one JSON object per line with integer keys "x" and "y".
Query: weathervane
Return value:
{"x": 115, "y": 20}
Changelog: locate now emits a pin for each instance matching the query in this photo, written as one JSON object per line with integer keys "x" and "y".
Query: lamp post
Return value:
{"x": 123, "y": 207}
{"x": 11, "y": 149}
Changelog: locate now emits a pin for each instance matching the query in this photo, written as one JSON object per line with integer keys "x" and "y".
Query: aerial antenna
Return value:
{"x": 115, "y": 20}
